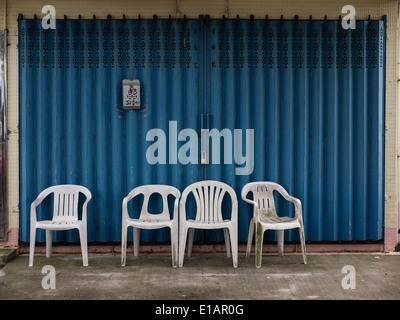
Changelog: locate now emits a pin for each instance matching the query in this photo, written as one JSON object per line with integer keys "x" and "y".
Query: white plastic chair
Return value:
{"x": 65, "y": 217}
{"x": 266, "y": 218}
{"x": 208, "y": 195}
{"x": 150, "y": 221}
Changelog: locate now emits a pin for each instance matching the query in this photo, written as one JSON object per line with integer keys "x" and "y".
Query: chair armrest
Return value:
{"x": 182, "y": 210}
{"x": 33, "y": 212}
{"x": 41, "y": 197}
{"x": 245, "y": 191}
{"x": 175, "y": 214}
{"x": 38, "y": 201}
{"x": 84, "y": 207}
{"x": 125, "y": 207}
{"x": 234, "y": 214}
{"x": 133, "y": 193}
{"x": 297, "y": 208}
{"x": 297, "y": 203}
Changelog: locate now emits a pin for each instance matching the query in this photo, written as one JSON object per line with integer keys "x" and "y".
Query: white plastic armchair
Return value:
{"x": 65, "y": 217}
{"x": 148, "y": 220}
{"x": 209, "y": 196}
{"x": 266, "y": 218}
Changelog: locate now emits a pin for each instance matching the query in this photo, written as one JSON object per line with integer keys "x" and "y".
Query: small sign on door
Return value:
{"x": 131, "y": 94}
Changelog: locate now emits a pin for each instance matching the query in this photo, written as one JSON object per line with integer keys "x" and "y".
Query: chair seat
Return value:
{"x": 269, "y": 218}
{"x": 149, "y": 223}
{"x": 58, "y": 225}
{"x": 280, "y": 225}
{"x": 207, "y": 224}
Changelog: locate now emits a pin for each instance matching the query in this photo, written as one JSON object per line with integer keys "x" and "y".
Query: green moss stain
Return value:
{"x": 259, "y": 237}
{"x": 268, "y": 213}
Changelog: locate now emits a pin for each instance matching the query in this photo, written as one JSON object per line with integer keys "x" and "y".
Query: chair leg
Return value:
{"x": 281, "y": 234}
{"x": 32, "y": 246}
{"x": 182, "y": 243}
{"x": 190, "y": 242}
{"x": 174, "y": 247}
{"x": 136, "y": 241}
{"x": 49, "y": 240}
{"x": 83, "y": 237}
{"x": 259, "y": 243}
{"x": 227, "y": 244}
{"x": 234, "y": 244}
{"x": 124, "y": 239}
{"x": 250, "y": 238}
{"x": 303, "y": 244}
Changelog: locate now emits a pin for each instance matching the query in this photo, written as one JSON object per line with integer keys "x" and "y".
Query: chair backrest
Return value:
{"x": 209, "y": 195}
{"x": 149, "y": 190}
{"x": 66, "y": 198}
{"x": 263, "y": 194}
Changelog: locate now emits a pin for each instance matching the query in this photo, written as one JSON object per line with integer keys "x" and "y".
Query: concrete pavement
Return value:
{"x": 352, "y": 276}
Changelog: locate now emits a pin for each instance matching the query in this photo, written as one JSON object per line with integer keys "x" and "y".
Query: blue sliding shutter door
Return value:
{"x": 309, "y": 94}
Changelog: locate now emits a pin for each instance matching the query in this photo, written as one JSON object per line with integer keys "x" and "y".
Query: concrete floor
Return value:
{"x": 204, "y": 277}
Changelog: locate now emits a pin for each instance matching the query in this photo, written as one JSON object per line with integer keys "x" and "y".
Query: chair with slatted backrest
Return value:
{"x": 148, "y": 220}
{"x": 265, "y": 216}
{"x": 65, "y": 217}
{"x": 208, "y": 196}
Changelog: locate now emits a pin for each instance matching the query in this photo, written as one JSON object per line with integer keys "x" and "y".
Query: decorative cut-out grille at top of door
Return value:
{"x": 294, "y": 46}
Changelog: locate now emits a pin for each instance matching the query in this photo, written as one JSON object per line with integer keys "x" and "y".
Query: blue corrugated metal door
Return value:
{"x": 310, "y": 92}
